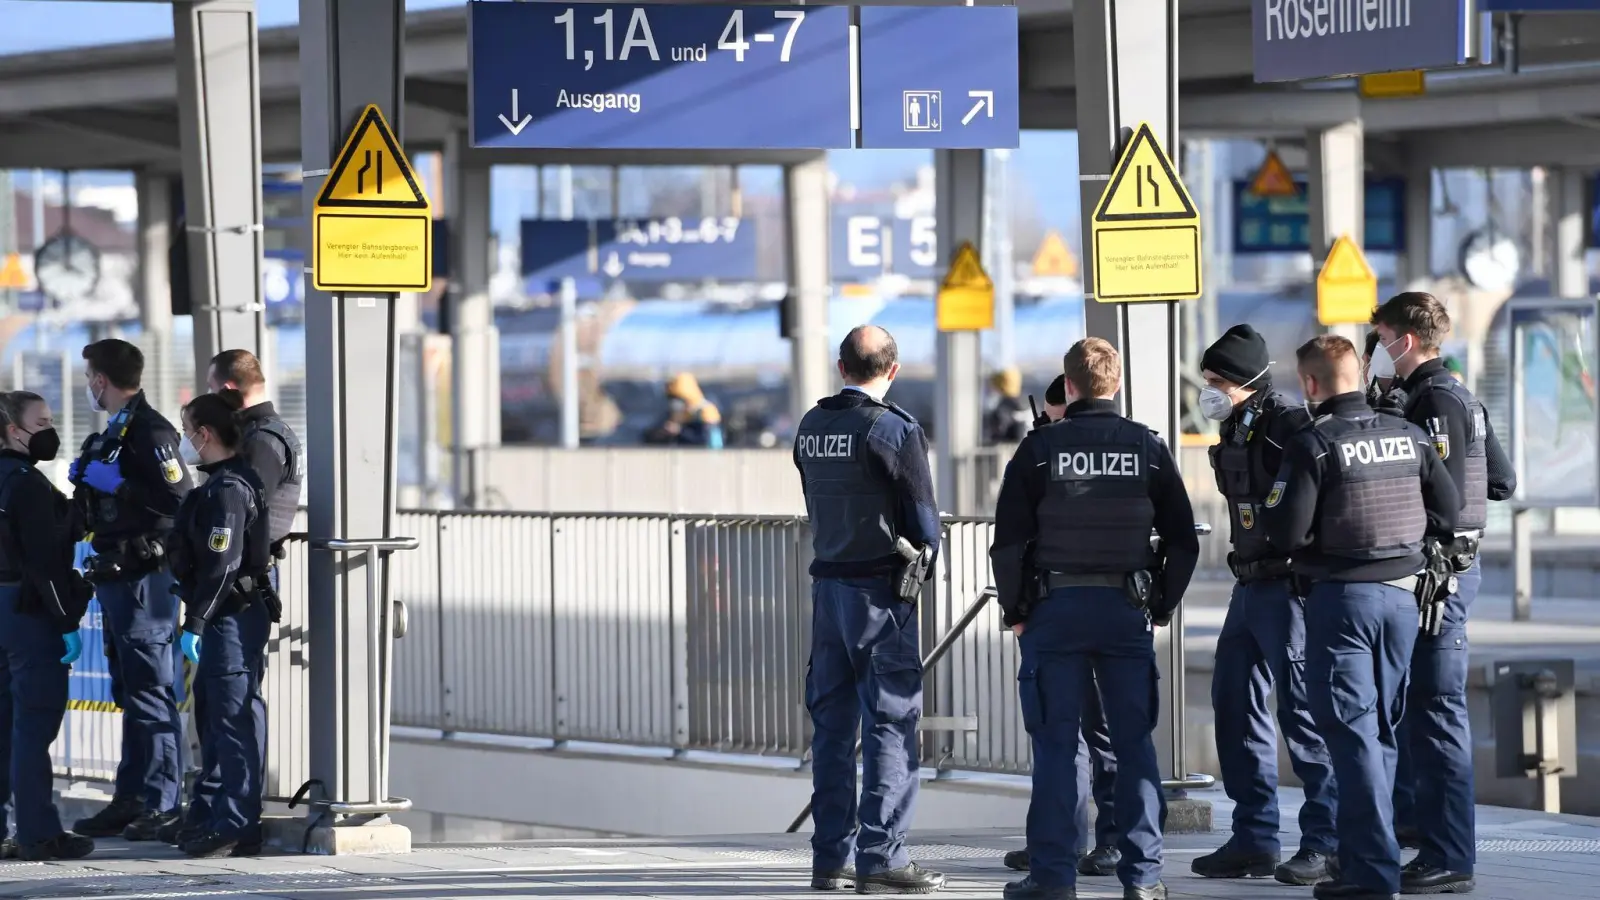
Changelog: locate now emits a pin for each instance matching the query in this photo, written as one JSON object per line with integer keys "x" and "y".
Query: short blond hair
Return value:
{"x": 1093, "y": 367}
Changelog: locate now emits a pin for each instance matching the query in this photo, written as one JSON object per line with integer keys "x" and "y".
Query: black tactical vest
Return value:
{"x": 282, "y": 498}
{"x": 1475, "y": 493}
{"x": 11, "y": 468}
{"x": 1371, "y": 505}
{"x": 1096, "y": 515}
{"x": 1239, "y": 462}
{"x": 852, "y": 508}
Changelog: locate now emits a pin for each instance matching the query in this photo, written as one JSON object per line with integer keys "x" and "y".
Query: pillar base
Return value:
{"x": 1188, "y": 816}
{"x": 290, "y": 834}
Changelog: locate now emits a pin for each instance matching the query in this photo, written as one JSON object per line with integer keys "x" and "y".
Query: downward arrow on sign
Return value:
{"x": 513, "y": 124}
{"x": 985, "y": 104}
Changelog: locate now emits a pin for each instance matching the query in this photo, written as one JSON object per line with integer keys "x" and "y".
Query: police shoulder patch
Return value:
{"x": 1247, "y": 515}
{"x": 221, "y": 538}
{"x": 1276, "y": 494}
{"x": 1441, "y": 443}
{"x": 171, "y": 471}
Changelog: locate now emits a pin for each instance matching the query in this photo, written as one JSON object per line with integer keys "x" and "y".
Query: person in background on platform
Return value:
{"x": 1262, "y": 645}
{"x": 1434, "y": 790}
{"x": 221, "y": 550}
{"x": 128, "y": 482}
{"x": 691, "y": 419}
{"x": 1007, "y": 422}
{"x": 42, "y": 602}
{"x": 1081, "y": 585}
{"x": 1453, "y": 366}
{"x": 1377, "y": 373}
{"x": 863, "y": 464}
{"x": 1355, "y": 497}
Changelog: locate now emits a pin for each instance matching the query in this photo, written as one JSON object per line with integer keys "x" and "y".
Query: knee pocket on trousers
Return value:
{"x": 1440, "y": 663}
{"x": 1351, "y": 688}
{"x": 896, "y": 686}
{"x": 1028, "y": 697}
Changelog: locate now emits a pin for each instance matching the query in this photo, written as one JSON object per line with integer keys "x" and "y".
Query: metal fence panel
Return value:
{"x": 287, "y": 686}
{"x": 414, "y": 579}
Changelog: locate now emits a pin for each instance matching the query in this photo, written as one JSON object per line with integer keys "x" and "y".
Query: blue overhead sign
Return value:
{"x": 939, "y": 77}
{"x": 669, "y": 249}
{"x": 870, "y": 246}
{"x": 1538, "y": 5}
{"x": 1283, "y": 224}
{"x": 1297, "y": 39}
{"x": 625, "y": 76}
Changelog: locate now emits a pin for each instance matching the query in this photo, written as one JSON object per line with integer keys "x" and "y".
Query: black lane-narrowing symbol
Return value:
{"x": 1146, "y": 175}
{"x": 361, "y": 174}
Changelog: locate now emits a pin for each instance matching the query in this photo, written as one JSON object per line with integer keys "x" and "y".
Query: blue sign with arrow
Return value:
{"x": 667, "y": 249}
{"x": 939, "y": 77}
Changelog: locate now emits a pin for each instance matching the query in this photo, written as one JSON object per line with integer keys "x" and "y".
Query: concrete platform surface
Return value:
{"x": 1521, "y": 856}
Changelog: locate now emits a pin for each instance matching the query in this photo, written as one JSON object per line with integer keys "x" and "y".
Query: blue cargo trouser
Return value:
{"x": 33, "y": 701}
{"x": 141, "y": 621}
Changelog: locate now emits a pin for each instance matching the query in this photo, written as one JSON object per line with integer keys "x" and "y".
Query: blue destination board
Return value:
{"x": 667, "y": 249}
{"x": 603, "y": 76}
{"x": 1296, "y": 39}
{"x": 1283, "y": 224}
{"x": 867, "y": 246}
{"x": 939, "y": 77}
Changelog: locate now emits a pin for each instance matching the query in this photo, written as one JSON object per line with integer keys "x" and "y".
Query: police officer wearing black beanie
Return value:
{"x": 1264, "y": 620}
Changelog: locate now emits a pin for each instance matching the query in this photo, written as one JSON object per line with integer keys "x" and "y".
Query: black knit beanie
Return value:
{"x": 1240, "y": 356}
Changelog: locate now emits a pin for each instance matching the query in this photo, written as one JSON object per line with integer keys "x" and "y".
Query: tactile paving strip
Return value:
{"x": 74, "y": 882}
{"x": 921, "y": 852}
{"x": 1503, "y": 846}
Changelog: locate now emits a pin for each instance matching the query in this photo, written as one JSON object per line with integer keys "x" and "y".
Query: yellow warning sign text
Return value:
{"x": 966, "y": 297}
{"x": 372, "y": 227}
{"x": 1145, "y": 230}
{"x": 1347, "y": 288}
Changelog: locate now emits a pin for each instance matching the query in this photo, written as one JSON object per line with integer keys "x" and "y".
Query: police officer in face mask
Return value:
{"x": 1075, "y": 511}
{"x": 1434, "y": 789}
{"x": 864, "y": 464}
{"x": 1353, "y": 501}
{"x": 1262, "y": 644}
{"x": 1377, "y": 372}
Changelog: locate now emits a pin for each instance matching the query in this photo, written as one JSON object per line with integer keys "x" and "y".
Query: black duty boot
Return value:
{"x": 1342, "y": 890}
{"x": 210, "y": 846}
{"x": 1100, "y": 862}
{"x": 110, "y": 821}
{"x": 908, "y": 879}
{"x": 148, "y": 826}
{"x": 1410, "y": 838}
{"x": 1305, "y": 867}
{"x": 1028, "y": 889}
{"x": 1418, "y": 877}
{"x": 1017, "y": 860}
{"x": 1157, "y": 891}
{"x": 252, "y": 839}
{"x": 178, "y": 832}
{"x": 1230, "y": 863}
{"x": 65, "y": 845}
{"x": 821, "y": 879}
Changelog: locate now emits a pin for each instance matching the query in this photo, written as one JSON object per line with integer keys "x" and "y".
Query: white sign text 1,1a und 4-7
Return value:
{"x": 639, "y": 37}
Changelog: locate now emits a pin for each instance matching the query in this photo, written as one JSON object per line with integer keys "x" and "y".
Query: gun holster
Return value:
{"x": 1140, "y": 586}
{"x": 129, "y": 559}
{"x": 908, "y": 586}
{"x": 251, "y": 589}
{"x": 1434, "y": 586}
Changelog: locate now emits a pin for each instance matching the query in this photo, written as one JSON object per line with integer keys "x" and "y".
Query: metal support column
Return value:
{"x": 958, "y": 193}
{"x": 1418, "y": 261}
{"x": 474, "y": 340}
{"x": 1337, "y": 198}
{"x": 350, "y": 56}
{"x": 1127, "y": 73}
{"x": 219, "y": 74}
{"x": 805, "y": 203}
{"x": 154, "y": 287}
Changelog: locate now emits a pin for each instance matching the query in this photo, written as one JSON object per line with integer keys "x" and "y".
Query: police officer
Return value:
{"x": 1097, "y": 761}
{"x": 864, "y": 464}
{"x": 128, "y": 482}
{"x": 1383, "y": 394}
{"x": 1355, "y": 497}
{"x": 42, "y": 601}
{"x": 1076, "y": 509}
{"x": 221, "y": 550}
{"x": 1262, "y": 644}
{"x": 1434, "y": 789}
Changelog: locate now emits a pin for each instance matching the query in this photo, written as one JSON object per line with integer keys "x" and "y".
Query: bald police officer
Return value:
{"x": 864, "y": 465}
{"x": 1357, "y": 494}
{"x": 1076, "y": 510}
{"x": 1433, "y": 784}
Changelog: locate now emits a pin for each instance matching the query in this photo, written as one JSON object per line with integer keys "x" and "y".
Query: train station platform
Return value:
{"x": 1521, "y": 856}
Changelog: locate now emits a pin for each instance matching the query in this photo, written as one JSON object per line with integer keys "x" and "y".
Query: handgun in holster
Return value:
{"x": 132, "y": 558}
{"x": 1434, "y": 586}
{"x": 918, "y": 565}
{"x": 258, "y": 589}
{"x": 1143, "y": 586}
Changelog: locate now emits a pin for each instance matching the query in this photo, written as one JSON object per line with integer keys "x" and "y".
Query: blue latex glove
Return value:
{"x": 103, "y": 476}
{"x": 72, "y": 470}
{"x": 74, "y": 642}
{"x": 190, "y": 645}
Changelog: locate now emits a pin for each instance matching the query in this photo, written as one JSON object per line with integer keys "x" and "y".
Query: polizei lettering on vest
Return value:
{"x": 828, "y": 446}
{"x": 1288, "y": 20}
{"x": 1377, "y": 450}
{"x": 1099, "y": 464}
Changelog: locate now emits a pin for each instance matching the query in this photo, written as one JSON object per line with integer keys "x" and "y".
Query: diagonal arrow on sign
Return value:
{"x": 519, "y": 123}
{"x": 985, "y": 104}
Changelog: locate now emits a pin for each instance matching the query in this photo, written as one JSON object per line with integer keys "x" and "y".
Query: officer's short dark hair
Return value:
{"x": 1416, "y": 313}
{"x": 1094, "y": 367}
{"x": 119, "y": 361}
{"x": 218, "y": 412}
{"x": 1324, "y": 356}
{"x": 867, "y": 352}
{"x": 240, "y": 367}
{"x": 1056, "y": 393}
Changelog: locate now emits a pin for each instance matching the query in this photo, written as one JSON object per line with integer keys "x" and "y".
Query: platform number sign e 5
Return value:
{"x": 1145, "y": 230}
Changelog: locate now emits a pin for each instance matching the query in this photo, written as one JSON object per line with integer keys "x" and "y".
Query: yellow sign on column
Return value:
{"x": 12, "y": 275}
{"x": 1054, "y": 258}
{"x": 1146, "y": 233}
{"x": 372, "y": 226}
{"x": 1347, "y": 288}
{"x": 1273, "y": 179}
{"x": 966, "y": 298}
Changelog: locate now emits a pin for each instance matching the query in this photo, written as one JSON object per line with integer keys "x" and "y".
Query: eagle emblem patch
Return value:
{"x": 1276, "y": 494}
{"x": 1247, "y": 515}
{"x": 220, "y": 539}
{"x": 1441, "y": 443}
{"x": 171, "y": 469}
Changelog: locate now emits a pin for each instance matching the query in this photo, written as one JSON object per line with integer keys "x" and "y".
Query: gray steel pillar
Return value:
{"x": 154, "y": 287}
{"x": 1418, "y": 262}
{"x": 350, "y": 56}
{"x": 475, "y": 342}
{"x": 1127, "y": 73}
{"x": 959, "y": 193}
{"x": 220, "y": 127}
{"x": 1337, "y": 197}
{"x": 805, "y": 204}
{"x": 1569, "y": 272}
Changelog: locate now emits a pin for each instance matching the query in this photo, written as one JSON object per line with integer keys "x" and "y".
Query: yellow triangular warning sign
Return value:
{"x": 1347, "y": 288}
{"x": 372, "y": 172}
{"x": 966, "y": 297}
{"x": 12, "y": 276}
{"x": 1346, "y": 264}
{"x": 1054, "y": 258}
{"x": 1273, "y": 179}
{"x": 1144, "y": 186}
{"x": 966, "y": 270}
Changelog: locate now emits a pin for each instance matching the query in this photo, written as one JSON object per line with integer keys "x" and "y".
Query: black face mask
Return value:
{"x": 44, "y": 444}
